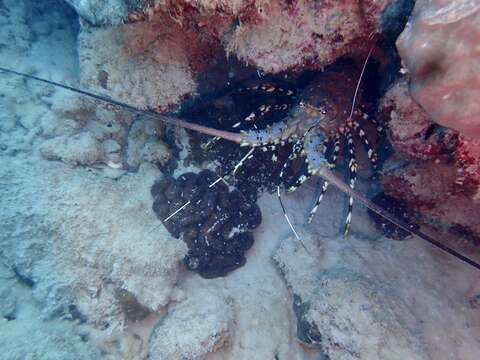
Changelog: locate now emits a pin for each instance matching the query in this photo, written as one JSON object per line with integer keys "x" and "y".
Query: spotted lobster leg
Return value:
{"x": 335, "y": 153}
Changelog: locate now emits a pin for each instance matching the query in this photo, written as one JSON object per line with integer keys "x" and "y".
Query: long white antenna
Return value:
{"x": 360, "y": 81}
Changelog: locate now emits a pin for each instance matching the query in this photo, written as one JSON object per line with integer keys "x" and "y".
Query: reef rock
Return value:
{"x": 395, "y": 207}
{"x": 83, "y": 149}
{"x": 442, "y": 183}
{"x": 88, "y": 255}
{"x": 26, "y": 334}
{"x": 410, "y": 129}
{"x": 439, "y": 47}
{"x": 356, "y": 300}
{"x": 345, "y": 311}
{"x": 144, "y": 144}
{"x": 285, "y": 35}
{"x": 152, "y": 78}
{"x": 467, "y": 156}
{"x": 103, "y": 12}
{"x": 439, "y": 192}
{"x": 200, "y": 325}
{"x": 271, "y": 35}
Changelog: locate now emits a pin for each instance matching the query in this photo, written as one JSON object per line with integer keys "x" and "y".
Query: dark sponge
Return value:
{"x": 215, "y": 225}
{"x": 397, "y": 208}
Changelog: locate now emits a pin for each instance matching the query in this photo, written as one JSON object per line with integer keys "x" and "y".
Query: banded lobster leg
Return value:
{"x": 371, "y": 153}
{"x": 352, "y": 167}
{"x": 335, "y": 153}
{"x": 286, "y": 97}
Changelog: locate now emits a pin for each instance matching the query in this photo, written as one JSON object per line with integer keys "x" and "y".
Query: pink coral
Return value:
{"x": 432, "y": 189}
{"x": 440, "y": 48}
{"x": 305, "y": 32}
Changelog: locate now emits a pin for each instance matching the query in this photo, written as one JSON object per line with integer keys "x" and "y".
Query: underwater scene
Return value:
{"x": 240, "y": 179}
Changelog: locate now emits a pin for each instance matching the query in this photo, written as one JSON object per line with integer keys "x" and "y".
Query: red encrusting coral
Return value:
{"x": 168, "y": 40}
{"x": 467, "y": 157}
{"x": 271, "y": 35}
{"x": 442, "y": 178}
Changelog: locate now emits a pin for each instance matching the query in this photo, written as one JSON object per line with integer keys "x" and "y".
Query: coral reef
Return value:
{"x": 153, "y": 60}
{"x": 87, "y": 264}
{"x": 439, "y": 49}
{"x": 293, "y": 34}
{"x": 467, "y": 161}
{"x": 104, "y": 251}
{"x": 144, "y": 143}
{"x": 442, "y": 181}
{"x": 348, "y": 312}
{"x": 133, "y": 310}
{"x": 102, "y": 12}
{"x": 215, "y": 226}
{"x": 75, "y": 229}
{"x": 411, "y": 131}
{"x": 66, "y": 149}
{"x": 205, "y": 327}
{"x": 434, "y": 190}
{"x": 27, "y": 334}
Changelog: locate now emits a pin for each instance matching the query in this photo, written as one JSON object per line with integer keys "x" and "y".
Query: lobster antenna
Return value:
{"x": 234, "y": 137}
{"x": 329, "y": 176}
{"x": 360, "y": 81}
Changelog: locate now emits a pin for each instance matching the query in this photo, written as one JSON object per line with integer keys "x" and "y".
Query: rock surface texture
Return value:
{"x": 193, "y": 328}
{"x": 351, "y": 309}
{"x": 441, "y": 179}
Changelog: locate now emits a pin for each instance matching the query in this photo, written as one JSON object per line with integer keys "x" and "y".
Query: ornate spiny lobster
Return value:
{"x": 312, "y": 128}
{"x": 323, "y": 118}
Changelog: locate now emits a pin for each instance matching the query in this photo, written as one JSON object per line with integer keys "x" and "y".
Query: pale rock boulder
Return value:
{"x": 382, "y": 299}
{"x": 201, "y": 324}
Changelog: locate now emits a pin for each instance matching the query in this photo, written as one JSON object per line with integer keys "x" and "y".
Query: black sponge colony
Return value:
{"x": 215, "y": 225}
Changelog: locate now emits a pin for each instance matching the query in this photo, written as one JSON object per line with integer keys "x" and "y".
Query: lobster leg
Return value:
{"x": 263, "y": 109}
{"x": 260, "y": 113}
{"x": 352, "y": 166}
{"x": 372, "y": 154}
{"x": 336, "y": 151}
{"x": 268, "y": 89}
